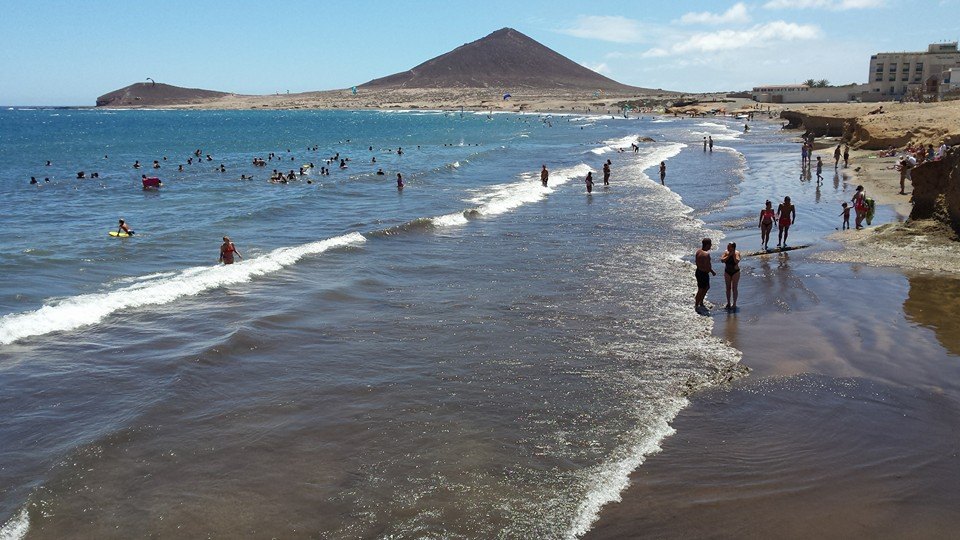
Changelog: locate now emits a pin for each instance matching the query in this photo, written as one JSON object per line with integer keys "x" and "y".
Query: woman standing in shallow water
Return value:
{"x": 766, "y": 224}
{"x": 731, "y": 272}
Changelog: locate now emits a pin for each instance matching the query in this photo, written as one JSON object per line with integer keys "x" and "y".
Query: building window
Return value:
{"x": 916, "y": 79}
{"x": 893, "y": 67}
{"x": 892, "y": 90}
{"x": 879, "y": 68}
{"x": 919, "y": 67}
{"x": 893, "y": 77}
{"x": 878, "y": 79}
{"x": 906, "y": 78}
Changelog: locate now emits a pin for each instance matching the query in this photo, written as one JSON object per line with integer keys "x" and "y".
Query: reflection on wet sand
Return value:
{"x": 934, "y": 302}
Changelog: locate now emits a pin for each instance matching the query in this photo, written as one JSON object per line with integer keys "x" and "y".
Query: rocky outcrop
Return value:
{"x": 936, "y": 189}
{"x": 155, "y": 94}
{"x": 821, "y": 126}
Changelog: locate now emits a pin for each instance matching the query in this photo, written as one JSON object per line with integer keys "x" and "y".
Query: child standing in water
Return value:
{"x": 846, "y": 216}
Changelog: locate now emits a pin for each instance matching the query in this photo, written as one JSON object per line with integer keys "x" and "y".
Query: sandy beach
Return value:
{"x": 845, "y": 426}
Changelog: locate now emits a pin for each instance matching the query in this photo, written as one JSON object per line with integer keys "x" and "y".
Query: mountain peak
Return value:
{"x": 504, "y": 59}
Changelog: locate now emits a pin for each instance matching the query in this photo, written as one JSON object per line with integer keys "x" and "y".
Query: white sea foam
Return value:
{"x": 16, "y": 527}
{"x": 613, "y": 476}
{"x": 449, "y": 220}
{"x": 77, "y": 311}
{"x": 506, "y": 197}
{"x": 718, "y": 131}
{"x": 613, "y": 144}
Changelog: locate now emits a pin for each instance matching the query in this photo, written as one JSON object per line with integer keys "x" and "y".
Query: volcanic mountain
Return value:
{"x": 505, "y": 59}
{"x": 150, "y": 94}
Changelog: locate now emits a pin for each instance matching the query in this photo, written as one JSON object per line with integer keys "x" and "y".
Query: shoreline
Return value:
{"x": 763, "y": 455}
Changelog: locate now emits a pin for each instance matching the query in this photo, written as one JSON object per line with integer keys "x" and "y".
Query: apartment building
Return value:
{"x": 892, "y": 75}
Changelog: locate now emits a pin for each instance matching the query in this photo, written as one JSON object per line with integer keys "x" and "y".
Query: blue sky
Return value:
{"x": 68, "y": 53}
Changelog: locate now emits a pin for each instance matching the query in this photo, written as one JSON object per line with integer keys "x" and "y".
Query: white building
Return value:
{"x": 892, "y": 75}
{"x": 801, "y": 93}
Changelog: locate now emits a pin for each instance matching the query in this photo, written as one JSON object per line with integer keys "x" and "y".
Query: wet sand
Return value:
{"x": 847, "y": 425}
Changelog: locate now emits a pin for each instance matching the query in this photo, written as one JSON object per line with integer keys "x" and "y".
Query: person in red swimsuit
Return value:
{"x": 786, "y": 215}
{"x": 227, "y": 251}
{"x": 767, "y": 216}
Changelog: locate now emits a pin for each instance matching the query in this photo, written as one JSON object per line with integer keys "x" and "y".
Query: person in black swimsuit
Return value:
{"x": 703, "y": 272}
{"x": 731, "y": 272}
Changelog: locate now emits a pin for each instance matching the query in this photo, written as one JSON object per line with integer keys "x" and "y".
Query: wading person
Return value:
{"x": 227, "y": 251}
{"x": 786, "y": 215}
{"x": 731, "y": 272}
{"x": 703, "y": 272}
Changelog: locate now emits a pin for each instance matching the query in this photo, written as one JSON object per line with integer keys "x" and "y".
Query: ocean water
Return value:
{"x": 476, "y": 356}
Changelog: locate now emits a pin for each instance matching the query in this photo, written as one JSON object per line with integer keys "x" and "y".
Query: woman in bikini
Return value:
{"x": 227, "y": 251}
{"x": 766, "y": 224}
{"x": 731, "y": 272}
{"x": 786, "y": 215}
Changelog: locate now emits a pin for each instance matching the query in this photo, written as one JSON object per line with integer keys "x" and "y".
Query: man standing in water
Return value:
{"x": 704, "y": 144}
{"x": 606, "y": 173}
{"x": 710, "y": 142}
{"x": 786, "y": 215}
{"x": 544, "y": 176}
{"x": 227, "y": 250}
{"x": 663, "y": 171}
{"x": 703, "y": 272}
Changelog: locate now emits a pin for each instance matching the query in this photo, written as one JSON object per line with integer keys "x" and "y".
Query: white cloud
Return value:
{"x": 601, "y": 68}
{"x": 833, "y": 5}
{"x": 606, "y": 28}
{"x": 736, "y": 14}
{"x": 759, "y": 35}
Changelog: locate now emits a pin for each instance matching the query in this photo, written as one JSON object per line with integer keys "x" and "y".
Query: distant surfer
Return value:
{"x": 399, "y": 181}
{"x": 786, "y": 216}
{"x": 703, "y": 272}
{"x": 544, "y": 176}
{"x": 731, "y": 272}
{"x": 227, "y": 251}
{"x": 606, "y": 173}
{"x": 767, "y": 216}
{"x": 589, "y": 181}
{"x": 663, "y": 171}
{"x": 124, "y": 228}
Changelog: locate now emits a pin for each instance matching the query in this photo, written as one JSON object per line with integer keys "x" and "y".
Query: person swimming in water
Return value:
{"x": 124, "y": 228}
{"x": 227, "y": 251}
{"x": 380, "y": 172}
{"x": 399, "y": 181}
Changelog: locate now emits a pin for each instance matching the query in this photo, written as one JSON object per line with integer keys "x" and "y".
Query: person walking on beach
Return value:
{"x": 589, "y": 182}
{"x": 703, "y": 272}
{"x": 786, "y": 216}
{"x": 836, "y": 157}
{"x": 227, "y": 251}
{"x": 704, "y": 144}
{"x": 819, "y": 170}
{"x": 767, "y": 216}
{"x": 710, "y": 142}
{"x": 731, "y": 272}
{"x": 846, "y": 155}
{"x": 663, "y": 171}
{"x": 544, "y": 176}
{"x": 606, "y": 173}
{"x": 803, "y": 156}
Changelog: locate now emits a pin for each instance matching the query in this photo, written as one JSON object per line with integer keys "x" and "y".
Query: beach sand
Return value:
{"x": 847, "y": 424}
